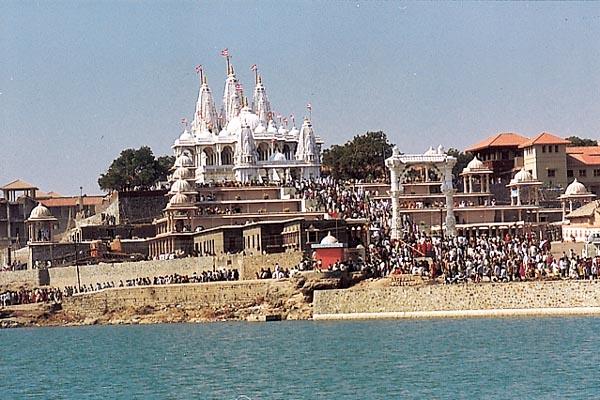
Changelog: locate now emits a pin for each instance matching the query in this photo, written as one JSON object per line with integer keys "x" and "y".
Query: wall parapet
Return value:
{"x": 429, "y": 300}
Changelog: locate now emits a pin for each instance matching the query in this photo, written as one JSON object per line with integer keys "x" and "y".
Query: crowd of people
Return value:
{"x": 13, "y": 266}
{"x": 218, "y": 275}
{"x": 337, "y": 199}
{"x": 483, "y": 258}
{"x": 29, "y": 296}
{"x": 277, "y": 273}
{"x": 491, "y": 259}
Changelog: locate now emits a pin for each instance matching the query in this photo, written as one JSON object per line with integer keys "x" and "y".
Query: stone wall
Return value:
{"x": 100, "y": 273}
{"x": 211, "y": 295}
{"x": 139, "y": 207}
{"x": 60, "y": 277}
{"x": 29, "y": 277}
{"x": 440, "y": 298}
{"x": 250, "y": 265}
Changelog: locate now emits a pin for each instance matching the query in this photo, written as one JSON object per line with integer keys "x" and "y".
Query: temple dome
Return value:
{"x": 40, "y": 212}
{"x": 294, "y": 131}
{"x": 186, "y": 136}
{"x": 475, "y": 164}
{"x": 271, "y": 128}
{"x": 245, "y": 118}
{"x": 181, "y": 186}
{"x": 523, "y": 176}
{"x": 184, "y": 161}
{"x": 576, "y": 188}
{"x": 183, "y": 173}
{"x": 329, "y": 239}
{"x": 260, "y": 129}
{"x": 179, "y": 199}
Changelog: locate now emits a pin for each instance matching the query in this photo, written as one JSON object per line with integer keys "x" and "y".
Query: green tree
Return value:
{"x": 462, "y": 159}
{"x": 164, "y": 165}
{"x": 135, "y": 169}
{"x": 579, "y": 142}
{"x": 360, "y": 158}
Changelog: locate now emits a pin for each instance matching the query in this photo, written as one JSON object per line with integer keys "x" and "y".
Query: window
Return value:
{"x": 551, "y": 173}
{"x": 582, "y": 172}
{"x": 569, "y": 173}
{"x": 549, "y": 149}
{"x": 597, "y": 172}
{"x": 556, "y": 148}
{"x": 544, "y": 149}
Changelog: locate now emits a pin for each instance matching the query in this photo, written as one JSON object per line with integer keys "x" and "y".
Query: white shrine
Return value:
{"x": 244, "y": 142}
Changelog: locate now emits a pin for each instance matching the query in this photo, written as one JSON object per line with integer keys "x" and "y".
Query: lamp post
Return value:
{"x": 77, "y": 263}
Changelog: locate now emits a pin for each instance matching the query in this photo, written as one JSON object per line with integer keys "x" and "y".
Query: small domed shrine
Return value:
{"x": 576, "y": 195}
{"x": 40, "y": 225}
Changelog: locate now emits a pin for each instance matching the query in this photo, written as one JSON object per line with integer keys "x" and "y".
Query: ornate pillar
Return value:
{"x": 395, "y": 165}
{"x": 448, "y": 189}
{"x": 465, "y": 190}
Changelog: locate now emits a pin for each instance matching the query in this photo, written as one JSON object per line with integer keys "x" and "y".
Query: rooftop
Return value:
{"x": 588, "y": 155}
{"x": 504, "y": 139}
{"x": 544, "y": 138}
{"x": 71, "y": 201}
{"x": 18, "y": 184}
{"x": 585, "y": 210}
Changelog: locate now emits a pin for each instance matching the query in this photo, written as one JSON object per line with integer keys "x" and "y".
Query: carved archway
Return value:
{"x": 227, "y": 156}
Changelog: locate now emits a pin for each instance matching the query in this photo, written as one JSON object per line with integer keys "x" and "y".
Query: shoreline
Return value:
{"x": 444, "y": 314}
{"x": 401, "y": 315}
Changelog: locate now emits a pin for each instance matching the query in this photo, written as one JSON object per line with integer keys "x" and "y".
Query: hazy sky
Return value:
{"x": 80, "y": 81}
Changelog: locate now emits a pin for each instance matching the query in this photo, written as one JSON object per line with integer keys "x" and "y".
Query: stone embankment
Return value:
{"x": 485, "y": 299}
{"x": 254, "y": 300}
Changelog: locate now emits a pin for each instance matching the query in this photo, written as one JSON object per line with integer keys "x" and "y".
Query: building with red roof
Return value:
{"x": 499, "y": 152}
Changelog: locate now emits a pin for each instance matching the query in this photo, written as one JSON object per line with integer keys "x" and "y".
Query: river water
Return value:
{"x": 542, "y": 358}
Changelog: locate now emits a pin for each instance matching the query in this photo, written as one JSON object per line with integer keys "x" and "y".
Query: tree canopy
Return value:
{"x": 579, "y": 142}
{"x": 360, "y": 158}
{"x": 135, "y": 170}
{"x": 462, "y": 159}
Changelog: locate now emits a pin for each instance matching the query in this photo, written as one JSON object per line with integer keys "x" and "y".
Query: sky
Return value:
{"x": 81, "y": 81}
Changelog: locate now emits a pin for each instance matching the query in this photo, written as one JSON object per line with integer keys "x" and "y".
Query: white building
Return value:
{"x": 243, "y": 142}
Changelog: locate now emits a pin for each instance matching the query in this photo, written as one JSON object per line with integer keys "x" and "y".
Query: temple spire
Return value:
{"x": 260, "y": 102}
{"x": 231, "y": 95}
{"x": 306, "y": 149}
{"x": 254, "y": 68}
{"x": 205, "y": 110}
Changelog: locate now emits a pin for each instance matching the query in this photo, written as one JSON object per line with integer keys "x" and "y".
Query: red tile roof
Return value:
{"x": 587, "y": 155}
{"x": 72, "y": 201}
{"x": 544, "y": 138}
{"x": 504, "y": 139}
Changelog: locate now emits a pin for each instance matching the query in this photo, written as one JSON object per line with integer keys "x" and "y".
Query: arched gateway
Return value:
{"x": 431, "y": 159}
